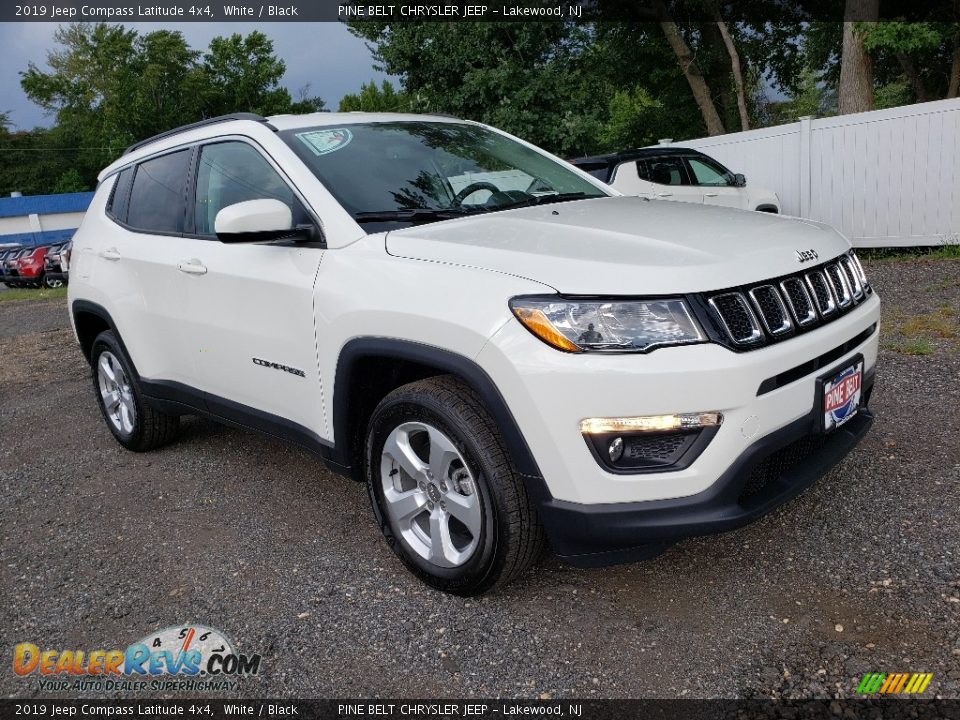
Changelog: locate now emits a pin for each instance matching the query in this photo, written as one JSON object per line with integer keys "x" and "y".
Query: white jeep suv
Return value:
{"x": 500, "y": 346}
{"x": 676, "y": 173}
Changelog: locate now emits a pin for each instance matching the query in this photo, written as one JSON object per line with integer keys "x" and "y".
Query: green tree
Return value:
{"x": 107, "y": 87}
{"x": 926, "y": 53}
{"x": 530, "y": 79}
{"x": 922, "y": 57}
{"x": 93, "y": 75}
{"x": 634, "y": 118}
{"x": 377, "y": 98}
{"x": 810, "y": 99}
{"x": 243, "y": 74}
{"x": 30, "y": 162}
{"x": 70, "y": 182}
{"x": 169, "y": 86}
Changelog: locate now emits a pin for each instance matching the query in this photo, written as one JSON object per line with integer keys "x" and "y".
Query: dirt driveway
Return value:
{"x": 100, "y": 546}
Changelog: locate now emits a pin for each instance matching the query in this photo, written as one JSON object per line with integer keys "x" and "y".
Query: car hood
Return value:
{"x": 623, "y": 245}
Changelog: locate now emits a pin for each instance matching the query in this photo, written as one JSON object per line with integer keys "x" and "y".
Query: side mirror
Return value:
{"x": 254, "y": 221}
{"x": 739, "y": 180}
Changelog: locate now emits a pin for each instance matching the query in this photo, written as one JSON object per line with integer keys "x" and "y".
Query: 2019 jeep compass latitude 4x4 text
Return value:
{"x": 500, "y": 346}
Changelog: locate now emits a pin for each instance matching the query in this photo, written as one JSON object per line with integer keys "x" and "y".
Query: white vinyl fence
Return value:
{"x": 886, "y": 178}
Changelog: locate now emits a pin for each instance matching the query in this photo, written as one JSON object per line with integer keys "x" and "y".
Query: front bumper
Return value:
{"x": 768, "y": 398}
{"x": 759, "y": 481}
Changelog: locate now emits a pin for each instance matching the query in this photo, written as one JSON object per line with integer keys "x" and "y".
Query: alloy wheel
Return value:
{"x": 116, "y": 393}
{"x": 430, "y": 494}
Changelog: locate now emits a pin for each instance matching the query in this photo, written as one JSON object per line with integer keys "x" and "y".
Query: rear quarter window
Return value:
{"x": 120, "y": 196}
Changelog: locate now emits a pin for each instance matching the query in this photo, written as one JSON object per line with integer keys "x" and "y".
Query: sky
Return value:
{"x": 325, "y": 55}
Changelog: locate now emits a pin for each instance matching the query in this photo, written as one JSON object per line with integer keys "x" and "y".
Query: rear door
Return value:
{"x": 135, "y": 264}
{"x": 252, "y": 333}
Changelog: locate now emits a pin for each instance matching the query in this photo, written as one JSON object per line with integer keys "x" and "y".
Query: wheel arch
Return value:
{"x": 91, "y": 319}
{"x": 370, "y": 368}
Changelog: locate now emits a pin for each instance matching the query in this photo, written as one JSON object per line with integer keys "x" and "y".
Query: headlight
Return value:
{"x": 608, "y": 325}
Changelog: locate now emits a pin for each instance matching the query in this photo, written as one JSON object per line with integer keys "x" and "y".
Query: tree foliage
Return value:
{"x": 573, "y": 87}
{"x": 378, "y": 98}
{"x": 529, "y": 78}
{"x": 108, "y": 87}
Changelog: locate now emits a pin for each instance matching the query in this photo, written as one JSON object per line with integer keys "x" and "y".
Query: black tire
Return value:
{"x": 511, "y": 536}
{"x": 150, "y": 428}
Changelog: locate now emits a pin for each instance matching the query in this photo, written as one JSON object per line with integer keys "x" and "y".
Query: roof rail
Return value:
{"x": 201, "y": 123}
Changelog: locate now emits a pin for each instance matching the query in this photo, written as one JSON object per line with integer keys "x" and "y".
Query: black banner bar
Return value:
{"x": 179, "y": 11}
{"x": 481, "y": 709}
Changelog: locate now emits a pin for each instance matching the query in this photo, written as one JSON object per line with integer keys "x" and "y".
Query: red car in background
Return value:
{"x": 26, "y": 268}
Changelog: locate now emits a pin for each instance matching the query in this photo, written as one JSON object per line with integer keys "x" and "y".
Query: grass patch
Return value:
{"x": 915, "y": 334}
{"x": 940, "y": 252}
{"x": 934, "y": 324}
{"x": 14, "y": 294}
{"x": 919, "y": 346}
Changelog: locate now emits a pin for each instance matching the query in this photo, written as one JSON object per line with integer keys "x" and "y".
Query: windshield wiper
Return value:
{"x": 545, "y": 200}
{"x": 411, "y": 215}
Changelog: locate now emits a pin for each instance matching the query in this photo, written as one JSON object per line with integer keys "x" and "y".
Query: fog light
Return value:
{"x": 650, "y": 423}
{"x": 615, "y": 450}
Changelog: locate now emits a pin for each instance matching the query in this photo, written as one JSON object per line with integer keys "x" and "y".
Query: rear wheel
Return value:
{"x": 444, "y": 491}
{"x": 134, "y": 424}
{"x": 49, "y": 282}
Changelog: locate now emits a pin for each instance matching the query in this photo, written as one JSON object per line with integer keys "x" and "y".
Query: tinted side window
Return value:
{"x": 156, "y": 201}
{"x": 710, "y": 173}
{"x": 120, "y": 197}
{"x": 663, "y": 171}
{"x": 233, "y": 172}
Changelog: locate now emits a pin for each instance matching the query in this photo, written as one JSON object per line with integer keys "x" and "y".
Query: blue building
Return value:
{"x": 33, "y": 220}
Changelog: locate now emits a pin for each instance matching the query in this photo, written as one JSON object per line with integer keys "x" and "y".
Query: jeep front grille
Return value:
{"x": 767, "y": 312}
{"x": 838, "y": 283}
{"x": 771, "y": 309}
{"x": 737, "y": 318}
{"x": 822, "y": 294}
{"x": 799, "y": 300}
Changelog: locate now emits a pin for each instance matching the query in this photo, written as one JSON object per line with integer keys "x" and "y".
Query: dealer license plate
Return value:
{"x": 841, "y": 396}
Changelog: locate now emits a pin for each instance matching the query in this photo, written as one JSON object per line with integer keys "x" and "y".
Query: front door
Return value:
{"x": 252, "y": 330}
{"x": 665, "y": 178}
{"x": 716, "y": 183}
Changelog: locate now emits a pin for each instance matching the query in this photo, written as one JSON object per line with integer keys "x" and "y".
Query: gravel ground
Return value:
{"x": 100, "y": 546}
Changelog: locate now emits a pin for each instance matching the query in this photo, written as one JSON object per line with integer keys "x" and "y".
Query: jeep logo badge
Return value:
{"x": 807, "y": 255}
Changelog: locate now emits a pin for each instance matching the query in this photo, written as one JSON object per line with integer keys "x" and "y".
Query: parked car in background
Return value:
{"x": 672, "y": 173}
{"x": 8, "y": 266}
{"x": 26, "y": 269}
{"x": 56, "y": 265}
{"x": 6, "y": 254}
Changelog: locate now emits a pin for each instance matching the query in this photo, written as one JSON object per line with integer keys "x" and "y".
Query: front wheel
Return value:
{"x": 49, "y": 282}
{"x": 444, "y": 491}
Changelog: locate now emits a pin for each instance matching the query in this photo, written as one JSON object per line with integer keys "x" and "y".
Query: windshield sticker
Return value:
{"x": 322, "y": 142}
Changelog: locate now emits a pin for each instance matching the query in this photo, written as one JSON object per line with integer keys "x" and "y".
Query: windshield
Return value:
{"x": 393, "y": 174}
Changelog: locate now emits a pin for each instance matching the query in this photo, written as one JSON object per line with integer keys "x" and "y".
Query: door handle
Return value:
{"x": 110, "y": 254}
{"x": 664, "y": 194}
{"x": 192, "y": 267}
{"x": 711, "y": 194}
